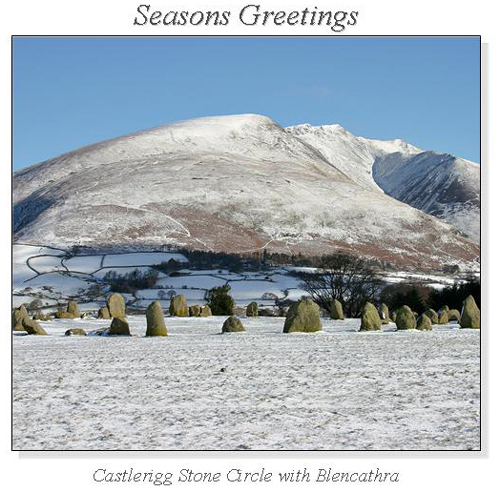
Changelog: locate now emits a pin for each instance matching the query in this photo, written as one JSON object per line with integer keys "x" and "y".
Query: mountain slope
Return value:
{"x": 438, "y": 184}
{"x": 231, "y": 183}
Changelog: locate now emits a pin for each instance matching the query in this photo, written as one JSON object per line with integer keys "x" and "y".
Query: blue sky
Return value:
{"x": 71, "y": 92}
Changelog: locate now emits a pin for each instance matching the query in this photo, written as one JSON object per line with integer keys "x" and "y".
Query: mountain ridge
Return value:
{"x": 235, "y": 183}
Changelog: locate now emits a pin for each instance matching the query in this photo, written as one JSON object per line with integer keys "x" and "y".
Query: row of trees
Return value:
{"x": 354, "y": 281}
{"x": 132, "y": 281}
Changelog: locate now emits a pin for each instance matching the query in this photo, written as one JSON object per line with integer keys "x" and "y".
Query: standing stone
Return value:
{"x": 75, "y": 331}
{"x": 443, "y": 317}
{"x": 155, "y": 321}
{"x": 336, "y": 311}
{"x": 405, "y": 320}
{"x": 103, "y": 313}
{"x": 116, "y": 305}
{"x": 33, "y": 328}
{"x": 63, "y": 315}
{"x": 232, "y": 325}
{"x": 178, "y": 306}
{"x": 394, "y": 315}
{"x": 72, "y": 308}
{"x": 119, "y": 326}
{"x": 252, "y": 309}
{"x": 205, "y": 311}
{"x": 303, "y": 316}
{"x": 471, "y": 316}
{"x": 370, "y": 319}
{"x": 18, "y": 316}
{"x": 384, "y": 314}
{"x": 433, "y": 316}
{"x": 424, "y": 323}
{"x": 454, "y": 315}
{"x": 194, "y": 310}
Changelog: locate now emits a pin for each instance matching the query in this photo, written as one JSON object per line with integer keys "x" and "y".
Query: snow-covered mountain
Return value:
{"x": 438, "y": 184}
{"x": 232, "y": 183}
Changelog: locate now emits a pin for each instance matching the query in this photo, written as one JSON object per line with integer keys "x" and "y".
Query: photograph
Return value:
{"x": 246, "y": 243}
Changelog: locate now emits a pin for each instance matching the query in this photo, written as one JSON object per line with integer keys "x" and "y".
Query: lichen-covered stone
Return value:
{"x": 155, "y": 321}
{"x": 303, "y": 316}
{"x": 103, "y": 313}
{"x": 443, "y": 315}
{"x": 18, "y": 316}
{"x": 394, "y": 315}
{"x": 72, "y": 308}
{"x": 232, "y": 325}
{"x": 424, "y": 323}
{"x": 252, "y": 309}
{"x": 384, "y": 314}
{"x": 336, "y": 311}
{"x": 179, "y": 306}
{"x": 116, "y": 305}
{"x": 470, "y": 316}
{"x": 63, "y": 315}
{"x": 75, "y": 332}
{"x": 194, "y": 310}
{"x": 370, "y": 319}
{"x": 432, "y": 315}
{"x": 205, "y": 311}
{"x": 119, "y": 326}
{"x": 405, "y": 319}
{"x": 32, "y": 327}
{"x": 454, "y": 315}
{"x": 41, "y": 317}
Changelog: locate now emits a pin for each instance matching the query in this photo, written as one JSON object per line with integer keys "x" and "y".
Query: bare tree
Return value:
{"x": 347, "y": 278}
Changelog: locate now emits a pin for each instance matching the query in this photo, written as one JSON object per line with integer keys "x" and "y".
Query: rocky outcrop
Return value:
{"x": 470, "y": 316}
{"x": 303, "y": 316}
{"x": 232, "y": 324}
{"x": 179, "y": 306}
{"x": 370, "y": 319}
{"x": 155, "y": 321}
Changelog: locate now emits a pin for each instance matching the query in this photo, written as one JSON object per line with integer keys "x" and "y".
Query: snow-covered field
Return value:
{"x": 53, "y": 279}
{"x": 336, "y": 389}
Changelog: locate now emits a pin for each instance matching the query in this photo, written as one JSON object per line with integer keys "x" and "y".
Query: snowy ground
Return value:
{"x": 337, "y": 389}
